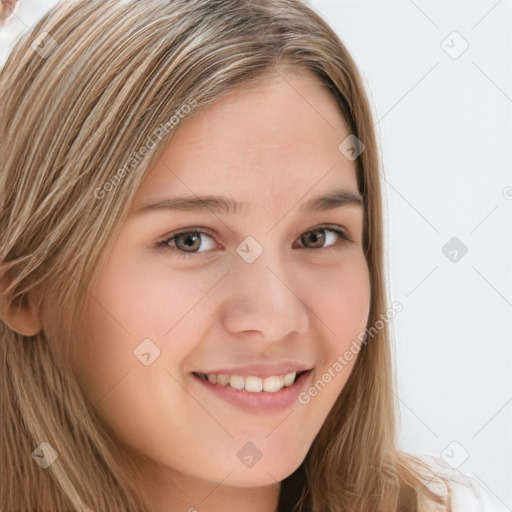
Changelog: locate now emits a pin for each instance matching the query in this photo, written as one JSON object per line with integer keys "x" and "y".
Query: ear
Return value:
{"x": 23, "y": 317}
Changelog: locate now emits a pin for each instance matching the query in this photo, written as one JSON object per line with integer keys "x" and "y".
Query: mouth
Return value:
{"x": 253, "y": 383}
{"x": 255, "y": 395}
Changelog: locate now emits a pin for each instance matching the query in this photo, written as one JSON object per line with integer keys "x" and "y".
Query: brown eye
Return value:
{"x": 189, "y": 242}
{"x": 315, "y": 237}
{"x": 323, "y": 238}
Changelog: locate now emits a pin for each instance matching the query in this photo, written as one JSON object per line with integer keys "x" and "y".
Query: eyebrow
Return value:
{"x": 222, "y": 204}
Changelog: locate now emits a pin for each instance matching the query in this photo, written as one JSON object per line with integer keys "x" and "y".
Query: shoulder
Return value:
{"x": 463, "y": 493}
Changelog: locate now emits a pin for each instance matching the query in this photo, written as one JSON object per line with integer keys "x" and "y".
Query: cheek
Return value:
{"x": 343, "y": 305}
{"x": 130, "y": 302}
{"x": 342, "y": 301}
{"x": 141, "y": 300}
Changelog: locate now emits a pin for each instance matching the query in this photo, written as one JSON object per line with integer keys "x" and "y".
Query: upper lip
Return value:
{"x": 261, "y": 370}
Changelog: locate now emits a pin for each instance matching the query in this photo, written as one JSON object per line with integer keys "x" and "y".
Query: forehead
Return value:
{"x": 270, "y": 140}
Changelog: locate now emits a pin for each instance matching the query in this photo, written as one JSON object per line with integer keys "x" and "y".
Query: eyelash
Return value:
{"x": 164, "y": 244}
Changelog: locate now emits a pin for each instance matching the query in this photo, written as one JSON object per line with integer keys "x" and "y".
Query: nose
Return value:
{"x": 265, "y": 297}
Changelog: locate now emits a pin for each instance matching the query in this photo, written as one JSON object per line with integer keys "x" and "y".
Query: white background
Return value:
{"x": 445, "y": 129}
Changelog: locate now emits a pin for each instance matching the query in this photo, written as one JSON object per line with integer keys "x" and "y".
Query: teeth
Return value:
{"x": 237, "y": 382}
{"x": 273, "y": 384}
{"x": 252, "y": 384}
{"x": 223, "y": 380}
{"x": 289, "y": 378}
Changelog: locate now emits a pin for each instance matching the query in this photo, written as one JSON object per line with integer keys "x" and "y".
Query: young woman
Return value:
{"x": 193, "y": 306}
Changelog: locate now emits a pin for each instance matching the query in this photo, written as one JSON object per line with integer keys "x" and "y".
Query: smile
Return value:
{"x": 254, "y": 394}
{"x": 253, "y": 384}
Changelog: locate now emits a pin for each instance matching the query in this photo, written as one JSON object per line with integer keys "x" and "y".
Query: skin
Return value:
{"x": 271, "y": 147}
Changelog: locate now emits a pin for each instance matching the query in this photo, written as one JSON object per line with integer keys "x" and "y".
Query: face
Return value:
{"x": 259, "y": 283}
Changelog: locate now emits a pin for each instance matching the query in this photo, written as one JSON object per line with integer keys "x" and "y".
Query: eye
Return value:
{"x": 323, "y": 237}
{"x": 188, "y": 242}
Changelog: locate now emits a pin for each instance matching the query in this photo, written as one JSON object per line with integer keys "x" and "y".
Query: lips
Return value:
{"x": 256, "y": 402}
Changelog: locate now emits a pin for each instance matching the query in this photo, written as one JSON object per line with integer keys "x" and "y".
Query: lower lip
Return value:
{"x": 258, "y": 402}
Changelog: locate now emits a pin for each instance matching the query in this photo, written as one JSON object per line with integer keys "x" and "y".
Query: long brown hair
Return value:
{"x": 91, "y": 83}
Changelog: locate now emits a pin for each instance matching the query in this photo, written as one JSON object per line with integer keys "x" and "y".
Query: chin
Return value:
{"x": 262, "y": 474}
